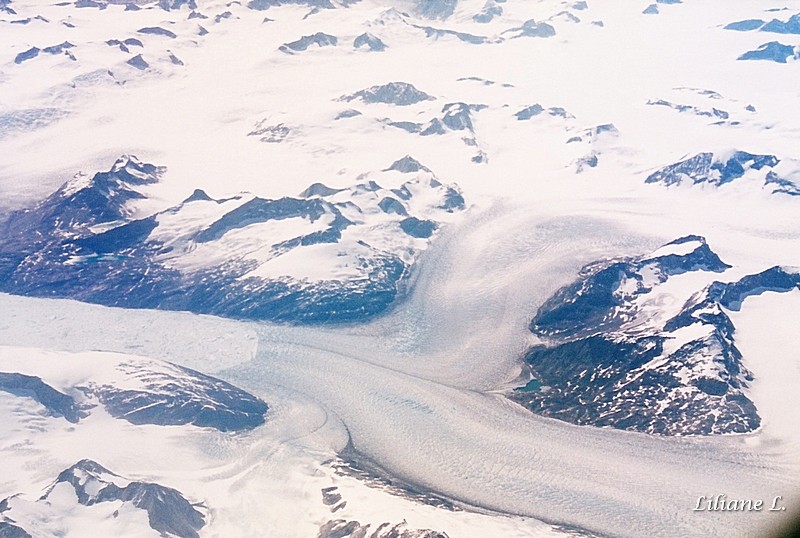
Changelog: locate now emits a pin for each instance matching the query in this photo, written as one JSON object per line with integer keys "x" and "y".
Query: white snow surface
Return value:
{"x": 680, "y": 249}
{"x": 416, "y": 391}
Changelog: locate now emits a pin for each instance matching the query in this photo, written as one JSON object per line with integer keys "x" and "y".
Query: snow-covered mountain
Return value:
{"x": 328, "y": 255}
{"x": 391, "y": 267}
{"x": 773, "y": 50}
{"x": 717, "y": 170}
{"x": 97, "y": 404}
{"x": 88, "y": 498}
{"x": 645, "y": 344}
{"x": 137, "y": 390}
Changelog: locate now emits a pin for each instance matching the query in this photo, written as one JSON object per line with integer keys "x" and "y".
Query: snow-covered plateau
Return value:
{"x": 398, "y": 268}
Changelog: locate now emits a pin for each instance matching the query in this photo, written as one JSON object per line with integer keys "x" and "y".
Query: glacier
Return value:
{"x": 397, "y": 268}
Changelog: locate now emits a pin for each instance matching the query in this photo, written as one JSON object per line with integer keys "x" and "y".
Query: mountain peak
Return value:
{"x": 197, "y": 196}
{"x": 408, "y": 164}
{"x": 369, "y": 41}
{"x": 83, "y": 467}
{"x": 127, "y": 171}
{"x": 713, "y": 168}
{"x": 130, "y": 169}
{"x": 318, "y": 189}
{"x": 85, "y": 200}
{"x": 395, "y": 93}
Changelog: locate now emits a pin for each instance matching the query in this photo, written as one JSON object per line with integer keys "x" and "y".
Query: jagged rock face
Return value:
{"x": 391, "y": 205}
{"x": 418, "y": 228}
{"x": 168, "y": 511}
{"x": 773, "y": 52}
{"x": 537, "y": 109}
{"x": 369, "y": 41}
{"x": 408, "y": 164}
{"x": 331, "y": 255}
{"x": 58, "y": 49}
{"x": 157, "y": 30}
{"x": 531, "y": 28}
{"x": 61, "y": 48}
{"x": 455, "y": 117}
{"x": 168, "y": 5}
{"x": 91, "y": 4}
{"x": 135, "y": 389}
{"x": 437, "y": 33}
{"x": 529, "y": 112}
{"x": 270, "y": 133}
{"x": 395, "y": 93}
{"x": 790, "y": 26}
{"x": 707, "y": 168}
{"x": 745, "y": 26}
{"x": 436, "y": 9}
{"x": 488, "y": 13}
{"x": 712, "y": 113}
{"x": 777, "y": 279}
{"x": 9, "y": 530}
{"x": 595, "y": 301}
{"x": 261, "y": 5}
{"x": 138, "y": 62}
{"x": 320, "y": 39}
{"x": 349, "y": 113}
{"x": 340, "y": 528}
{"x": 613, "y": 357}
{"x": 173, "y": 395}
{"x": 56, "y": 403}
{"x": 780, "y": 185}
{"x": 29, "y": 54}
{"x": 84, "y": 202}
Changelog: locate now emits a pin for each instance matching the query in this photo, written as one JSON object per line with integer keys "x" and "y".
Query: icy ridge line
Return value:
{"x": 168, "y": 511}
{"x": 329, "y": 255}
{"x": 612, "y": 357}
{"x": 137, "y": 390}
